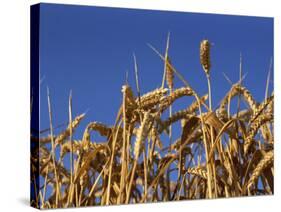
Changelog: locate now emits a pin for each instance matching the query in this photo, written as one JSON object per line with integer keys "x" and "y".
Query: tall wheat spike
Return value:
{"x": 169, "y": 74}
{"x": 205, "y": 55}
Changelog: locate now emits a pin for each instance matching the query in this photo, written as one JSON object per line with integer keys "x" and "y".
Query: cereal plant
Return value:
{"x": 218, "y": 153}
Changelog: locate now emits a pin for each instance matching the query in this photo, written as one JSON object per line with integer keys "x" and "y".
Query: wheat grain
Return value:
{"x": 142, "y": 134}
{"x": 166, "y": 101}
{"x": 198, "y": 171}
{"x": 60, "y": 138}
{"x": 169, "y": 74}
{"x": 205, "y": 55}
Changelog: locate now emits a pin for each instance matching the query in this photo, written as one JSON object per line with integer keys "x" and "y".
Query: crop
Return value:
{"x": 217, "y": 153}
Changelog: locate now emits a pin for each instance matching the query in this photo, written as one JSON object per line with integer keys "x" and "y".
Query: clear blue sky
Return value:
{"x": 89, "y": 49}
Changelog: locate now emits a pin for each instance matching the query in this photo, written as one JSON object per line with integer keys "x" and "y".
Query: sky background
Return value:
{"x": 89, "y": 49}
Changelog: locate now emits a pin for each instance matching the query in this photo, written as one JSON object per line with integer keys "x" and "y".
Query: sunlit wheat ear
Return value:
{"x": 142, "y": 134}
{"x": 60, "y": 138}
{"x": 169, "y": 74}
{"x": 152, "y": 98}
{"x": 198, "y": 171}
{"x": 166, "y": 101}
{"x": 205, "y": 55}
{"x": 103, "y": 129}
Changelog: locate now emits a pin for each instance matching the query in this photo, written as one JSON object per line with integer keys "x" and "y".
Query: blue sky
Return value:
{"x": 89, "y": 49}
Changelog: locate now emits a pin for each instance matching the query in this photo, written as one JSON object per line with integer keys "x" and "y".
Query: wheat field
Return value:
{"x": 218, "y": 153}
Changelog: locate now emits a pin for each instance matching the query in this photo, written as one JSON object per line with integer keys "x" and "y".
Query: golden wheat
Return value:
{"x": 213, "y": 153}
